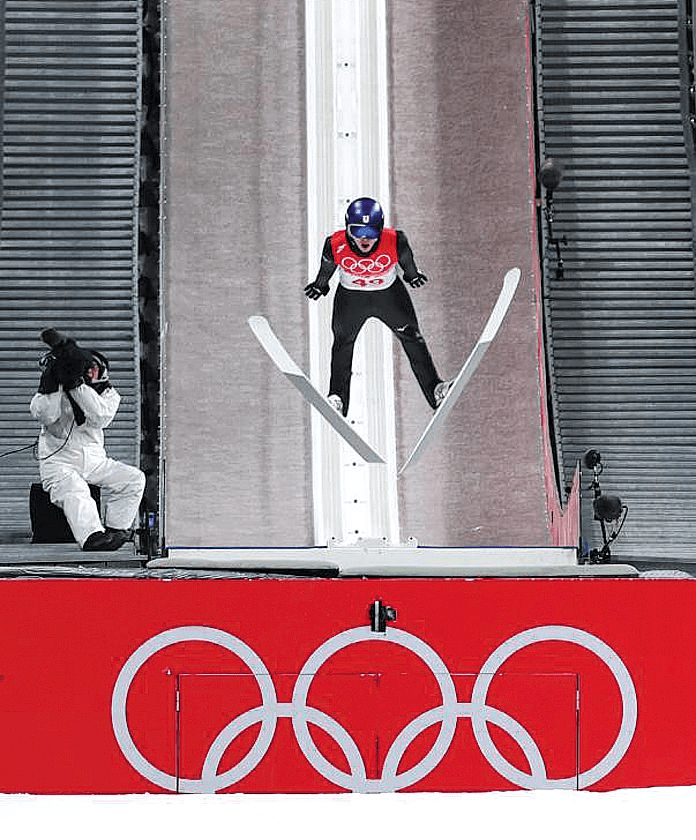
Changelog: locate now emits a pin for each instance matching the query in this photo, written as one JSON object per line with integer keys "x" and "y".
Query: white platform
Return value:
{"x": 371, "y": 560}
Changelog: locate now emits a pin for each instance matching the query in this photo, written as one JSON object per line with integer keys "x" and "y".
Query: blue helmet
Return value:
{"x": 364, "y": 218}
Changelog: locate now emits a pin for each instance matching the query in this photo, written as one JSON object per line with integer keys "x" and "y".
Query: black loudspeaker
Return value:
{"x": 48, "y": 522}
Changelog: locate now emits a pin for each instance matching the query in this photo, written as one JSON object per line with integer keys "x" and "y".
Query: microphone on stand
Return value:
{"x": 591, "y": 459}
{"x": 550, "y": 175}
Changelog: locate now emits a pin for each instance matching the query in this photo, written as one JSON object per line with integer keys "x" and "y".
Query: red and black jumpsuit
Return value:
{"x": 370, "y": 286}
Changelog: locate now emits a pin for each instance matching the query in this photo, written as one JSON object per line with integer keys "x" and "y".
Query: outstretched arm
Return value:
{"x": 407, "y": 262}
{"x": 327, "y": 267}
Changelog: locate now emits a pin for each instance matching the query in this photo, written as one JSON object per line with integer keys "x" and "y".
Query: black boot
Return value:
{"x": 118, "y": 536}
{"x": 98, "y": 541}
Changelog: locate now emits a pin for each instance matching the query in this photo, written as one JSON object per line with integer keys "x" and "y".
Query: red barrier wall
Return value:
{"x": 114, "y": 686}
{"x": 564, "y": 523}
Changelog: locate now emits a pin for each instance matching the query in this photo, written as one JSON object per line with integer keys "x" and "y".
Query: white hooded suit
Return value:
{"x": 72, "y": 457}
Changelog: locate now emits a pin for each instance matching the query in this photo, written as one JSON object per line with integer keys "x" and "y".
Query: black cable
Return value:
{"x": 34, "y": 446}
{"x": 21, "y": 449}
{"x": 55, "y": 451}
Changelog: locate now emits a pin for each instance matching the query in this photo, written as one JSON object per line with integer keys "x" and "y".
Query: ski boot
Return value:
{"x": 335, "y": 402}
{"x": 440, "y": 392}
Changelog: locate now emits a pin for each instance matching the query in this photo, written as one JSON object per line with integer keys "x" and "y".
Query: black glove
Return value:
{"x": 316, "y": 290}
{"x": 49, "y": 380}
{"x": 72, "y": 362}
{"x": 418, "y": 280}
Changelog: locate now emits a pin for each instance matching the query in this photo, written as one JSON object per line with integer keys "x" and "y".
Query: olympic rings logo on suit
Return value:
{"x": 365, "y": 267}
{"x": 446, "y": 714}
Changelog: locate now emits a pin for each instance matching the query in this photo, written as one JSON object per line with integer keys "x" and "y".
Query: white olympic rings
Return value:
{"x": 447, "y": 714}
{"x": 366, "y": 266}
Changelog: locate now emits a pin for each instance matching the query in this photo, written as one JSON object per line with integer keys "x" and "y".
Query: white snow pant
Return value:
{"x": 121, "y": 486}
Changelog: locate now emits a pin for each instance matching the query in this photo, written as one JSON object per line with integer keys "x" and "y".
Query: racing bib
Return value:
{"x": 362, "y": 272}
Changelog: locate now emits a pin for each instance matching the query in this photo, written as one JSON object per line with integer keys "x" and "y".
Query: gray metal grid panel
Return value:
{"x": 622, "y": 320}
{"x": 71, "y": 87}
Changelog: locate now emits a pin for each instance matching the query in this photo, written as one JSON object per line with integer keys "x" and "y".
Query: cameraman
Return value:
{"x": 74, "y": 404}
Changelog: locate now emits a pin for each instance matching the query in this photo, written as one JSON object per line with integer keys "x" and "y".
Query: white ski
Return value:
{"x": 512, "y": 278}
{"x": 280, "y": 357}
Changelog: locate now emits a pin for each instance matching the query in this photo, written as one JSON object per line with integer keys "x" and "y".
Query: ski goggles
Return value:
{"x": 363, "y": 232}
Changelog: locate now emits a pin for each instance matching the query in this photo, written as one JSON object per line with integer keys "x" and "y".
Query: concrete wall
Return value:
{"x": 237, "y": 447}
{"x": 236, "y": 443}
{"x": 463, "y": 193}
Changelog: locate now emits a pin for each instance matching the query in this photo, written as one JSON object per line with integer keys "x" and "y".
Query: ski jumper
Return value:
{"x": 371, "y": 286}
